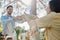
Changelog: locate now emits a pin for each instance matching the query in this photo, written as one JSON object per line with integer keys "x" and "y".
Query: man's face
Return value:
{"x": 10, "y": 10}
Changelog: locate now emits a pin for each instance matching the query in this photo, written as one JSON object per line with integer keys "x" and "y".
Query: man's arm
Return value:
{"x": 42, "y": 22}
{"x": 45, "y": 21}
{"x": 5, "y": 19}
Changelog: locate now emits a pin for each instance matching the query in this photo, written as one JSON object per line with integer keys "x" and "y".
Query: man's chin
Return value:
{"x": 9, "y": 14}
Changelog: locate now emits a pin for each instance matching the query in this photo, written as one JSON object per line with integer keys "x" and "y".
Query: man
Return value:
{"x": 8, "y": 23}
{"x": 51, "y": 21}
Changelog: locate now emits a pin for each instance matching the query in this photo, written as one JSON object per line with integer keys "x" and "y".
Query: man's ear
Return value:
{"x": 48, "y": 9}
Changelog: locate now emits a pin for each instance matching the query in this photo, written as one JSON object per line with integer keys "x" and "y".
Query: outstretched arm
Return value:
{"x": 5, "y": 19}
{"x": 42, "y": 22}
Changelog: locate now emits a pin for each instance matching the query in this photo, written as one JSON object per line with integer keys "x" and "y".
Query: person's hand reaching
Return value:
{"x": 17, "y": 18}
{"x": 22, "y": 17}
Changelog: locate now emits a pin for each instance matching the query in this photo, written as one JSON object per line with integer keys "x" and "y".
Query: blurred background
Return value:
{"x": 25, "y": 6}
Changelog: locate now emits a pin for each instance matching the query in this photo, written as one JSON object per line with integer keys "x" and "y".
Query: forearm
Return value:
{"x": 42, "y": 22}
{"x": 7, "y": 20}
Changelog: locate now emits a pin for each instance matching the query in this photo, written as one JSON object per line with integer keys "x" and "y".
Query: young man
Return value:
{"x": 8, "y": 23}
{"x": 51, "y": 21}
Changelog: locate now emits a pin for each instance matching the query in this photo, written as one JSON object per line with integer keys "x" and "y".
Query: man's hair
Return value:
{"x": 9, "y": 38}
{"x": 55, "y": 5}
{"x": 10, "y": 6}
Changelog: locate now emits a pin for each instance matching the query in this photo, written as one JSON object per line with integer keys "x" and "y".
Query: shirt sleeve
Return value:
{"x": 5, "y": 19}
{"x": 45, "y": 21}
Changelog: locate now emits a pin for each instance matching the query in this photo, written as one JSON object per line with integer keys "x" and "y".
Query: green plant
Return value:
{"x": 17, "y": 29}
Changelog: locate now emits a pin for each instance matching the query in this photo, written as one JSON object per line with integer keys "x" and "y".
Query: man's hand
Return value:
{"x": 17, "y": 18}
